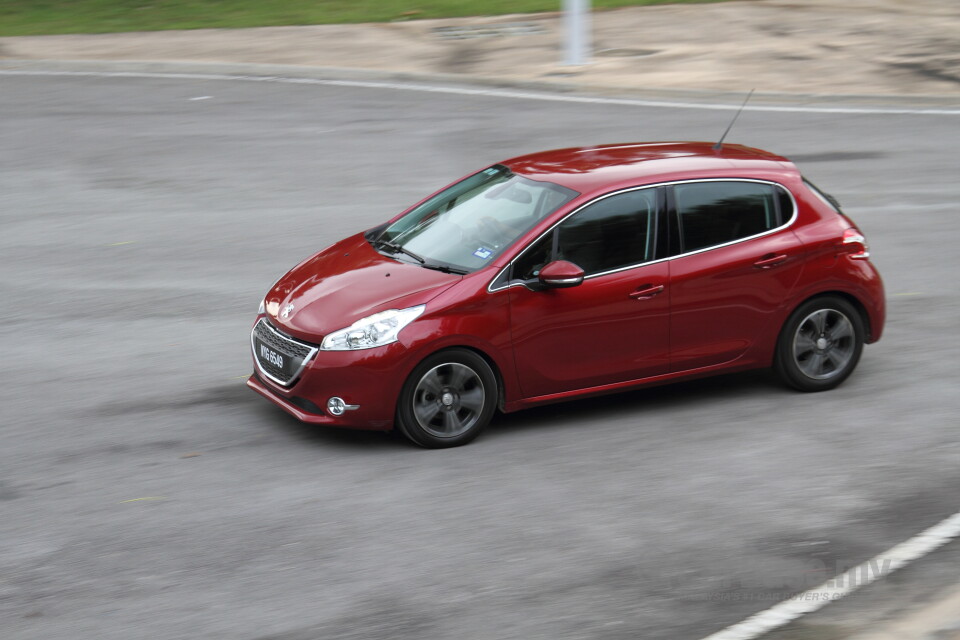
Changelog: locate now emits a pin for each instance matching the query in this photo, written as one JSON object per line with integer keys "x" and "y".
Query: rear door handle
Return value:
{"x": 646, "y": 291}
{"x": 770, "y": 260}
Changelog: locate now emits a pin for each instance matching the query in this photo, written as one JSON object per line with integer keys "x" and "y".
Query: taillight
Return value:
{"x": 856, "y": 245}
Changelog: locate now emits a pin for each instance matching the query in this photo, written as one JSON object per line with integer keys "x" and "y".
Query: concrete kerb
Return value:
{"x": 715, "y": 99}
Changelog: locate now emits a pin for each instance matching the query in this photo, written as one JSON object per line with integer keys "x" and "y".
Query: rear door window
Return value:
{"x": 713, "y": 213}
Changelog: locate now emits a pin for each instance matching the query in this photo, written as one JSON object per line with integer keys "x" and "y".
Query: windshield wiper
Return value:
{"x": 395, "y": 248}
{"x": 398, "y": 249}
{"x": 444, "y": 268}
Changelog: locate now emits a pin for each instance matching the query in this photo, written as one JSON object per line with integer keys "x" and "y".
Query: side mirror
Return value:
{"x": 560, "y": 274}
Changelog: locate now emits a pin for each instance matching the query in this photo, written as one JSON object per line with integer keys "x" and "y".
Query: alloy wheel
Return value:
{"x": 448, "y": 400}
{"x": 824, "y": 344}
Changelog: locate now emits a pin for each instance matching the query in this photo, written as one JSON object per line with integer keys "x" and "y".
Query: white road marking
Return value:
{"x": 843, "y": 584}
{"x": 201, "y": 98}
{"x": 492, "y": 92}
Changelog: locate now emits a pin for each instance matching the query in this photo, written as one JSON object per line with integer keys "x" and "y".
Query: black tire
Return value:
{"x": 448, "y": 399}
{"x": 820, "y": 344}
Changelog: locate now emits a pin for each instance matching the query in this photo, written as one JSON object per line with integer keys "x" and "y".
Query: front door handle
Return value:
{"x": 770, "y": 260}
{"x": 646, "y": 291}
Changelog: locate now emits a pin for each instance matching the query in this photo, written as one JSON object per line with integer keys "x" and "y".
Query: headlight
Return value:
{"x": 263, "y": 308}
{"x": 373, "y": 331}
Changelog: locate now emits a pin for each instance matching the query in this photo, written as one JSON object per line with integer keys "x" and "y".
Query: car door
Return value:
{"x": 614, "y": 326}
{"x": 736, "y": 263}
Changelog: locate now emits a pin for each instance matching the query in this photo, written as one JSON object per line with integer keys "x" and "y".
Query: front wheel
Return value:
{"x": 820, "y": 344}
{"x": 448, "y": 399}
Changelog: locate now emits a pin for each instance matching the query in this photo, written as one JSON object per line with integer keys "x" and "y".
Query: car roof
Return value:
{"x": 605, "y": 167}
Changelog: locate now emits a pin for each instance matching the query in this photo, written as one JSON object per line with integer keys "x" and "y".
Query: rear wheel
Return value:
{"x": 448, "y": 399}
{"x": 820, "y": 344}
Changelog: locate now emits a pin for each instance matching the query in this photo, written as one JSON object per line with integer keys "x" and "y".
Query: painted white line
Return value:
{"x": 491, "y": 92}
{"x": 843, "y": 584}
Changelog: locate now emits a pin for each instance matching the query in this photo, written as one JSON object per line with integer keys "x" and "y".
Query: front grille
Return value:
{"x": 279, "y": 357}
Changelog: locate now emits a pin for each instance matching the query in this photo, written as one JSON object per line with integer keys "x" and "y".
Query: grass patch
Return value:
{"x": 41, "y": 17}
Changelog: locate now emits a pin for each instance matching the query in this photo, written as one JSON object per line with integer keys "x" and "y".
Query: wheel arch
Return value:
{"x": 844, "y": 295}
{"x": 415, "y": 430}
{"x": 854, "y": 301}
{"x": 490, "y": 360}
{"x": 786, "y": 363}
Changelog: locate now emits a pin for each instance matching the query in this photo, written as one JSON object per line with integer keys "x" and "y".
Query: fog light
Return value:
{"x": 336, "y": 406}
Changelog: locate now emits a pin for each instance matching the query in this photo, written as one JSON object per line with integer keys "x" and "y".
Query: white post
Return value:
{"x": 576, "y": 18}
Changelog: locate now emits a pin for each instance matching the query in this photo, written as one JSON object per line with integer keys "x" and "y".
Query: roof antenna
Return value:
{"x": 719, "y": 144}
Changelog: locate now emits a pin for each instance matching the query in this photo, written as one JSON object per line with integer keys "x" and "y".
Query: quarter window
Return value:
{"x": 612, "y": 233}
{"x": 714, "y": 213}
{"x": 826, "y": 198}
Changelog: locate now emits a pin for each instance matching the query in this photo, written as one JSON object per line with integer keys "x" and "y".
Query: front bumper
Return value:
{"x": 369, "y": 378}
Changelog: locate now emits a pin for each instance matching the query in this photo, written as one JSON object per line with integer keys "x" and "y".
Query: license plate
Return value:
{"x": 270, "y": 357}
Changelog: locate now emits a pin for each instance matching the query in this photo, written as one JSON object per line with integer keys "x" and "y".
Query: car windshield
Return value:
{"x": 465, "y": 226}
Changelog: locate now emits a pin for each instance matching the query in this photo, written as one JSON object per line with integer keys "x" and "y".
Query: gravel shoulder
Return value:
{"x": 886, "y": 48}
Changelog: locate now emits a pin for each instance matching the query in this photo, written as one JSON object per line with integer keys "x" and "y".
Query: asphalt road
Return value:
{"x": 145, "y": 492}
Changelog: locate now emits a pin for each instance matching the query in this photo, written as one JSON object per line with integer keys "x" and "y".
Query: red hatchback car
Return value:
{"x": 565, "y": 274}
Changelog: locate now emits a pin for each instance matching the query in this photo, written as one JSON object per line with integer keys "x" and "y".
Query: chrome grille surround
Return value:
{"x": 284, "y": 344}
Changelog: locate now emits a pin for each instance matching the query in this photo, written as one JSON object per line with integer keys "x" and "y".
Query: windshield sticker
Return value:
{"x": 483, "y": 253}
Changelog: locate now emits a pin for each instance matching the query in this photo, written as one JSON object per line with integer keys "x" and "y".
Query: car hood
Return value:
{"x": 348, "y": 281}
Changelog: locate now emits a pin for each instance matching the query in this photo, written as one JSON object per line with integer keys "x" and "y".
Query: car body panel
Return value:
{"x": 721, "y": 301}
{"x": 718, "y": 311}
{"x": 829, "y": 269}
{"x": 591, "y": 170}
{"x": 344, "y": 283}
{"x": 592, "y": 334}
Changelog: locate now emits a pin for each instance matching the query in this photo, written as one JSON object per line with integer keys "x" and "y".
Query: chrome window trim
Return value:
{"x": 256, "y": 361}
{"x": 785, "y": 225}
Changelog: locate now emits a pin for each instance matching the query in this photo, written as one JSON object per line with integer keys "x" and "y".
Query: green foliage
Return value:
{"x": 38, "y": 17}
